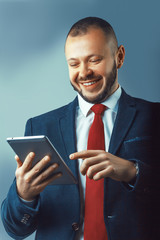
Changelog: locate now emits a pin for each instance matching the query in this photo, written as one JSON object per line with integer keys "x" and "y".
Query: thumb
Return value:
{"x": 19, "y": 163}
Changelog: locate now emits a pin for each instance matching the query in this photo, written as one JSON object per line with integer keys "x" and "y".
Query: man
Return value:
{"x": 128, "y": 164}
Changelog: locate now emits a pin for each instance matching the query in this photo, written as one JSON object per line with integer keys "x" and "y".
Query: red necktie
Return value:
{"x": 94, "y": 226}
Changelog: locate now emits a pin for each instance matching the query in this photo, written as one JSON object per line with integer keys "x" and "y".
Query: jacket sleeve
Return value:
{"x": 19, "y": 219}
{"x": 146, "y": 153}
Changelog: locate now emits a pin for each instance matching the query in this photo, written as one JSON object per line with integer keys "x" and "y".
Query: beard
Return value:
{"x": 107, "y": 91}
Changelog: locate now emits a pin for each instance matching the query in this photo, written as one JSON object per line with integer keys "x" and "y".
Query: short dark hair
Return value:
{"x": 82, "y": 26}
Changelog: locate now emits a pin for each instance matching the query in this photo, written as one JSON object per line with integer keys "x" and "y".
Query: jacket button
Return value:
{"x": 75, "y": 226}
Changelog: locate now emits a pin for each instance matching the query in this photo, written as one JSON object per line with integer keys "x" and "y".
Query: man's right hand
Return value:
{"x": 30, "y": 182}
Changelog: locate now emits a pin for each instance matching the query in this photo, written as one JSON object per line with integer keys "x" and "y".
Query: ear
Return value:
{"x": 120, "y": 56}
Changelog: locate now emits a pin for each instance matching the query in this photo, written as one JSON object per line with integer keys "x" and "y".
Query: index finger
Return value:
{"x": 85, "y": 154}
{"x": 27, "y": 164}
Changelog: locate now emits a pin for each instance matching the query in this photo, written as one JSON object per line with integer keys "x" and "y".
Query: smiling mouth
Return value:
{"x": 90, "y": 83}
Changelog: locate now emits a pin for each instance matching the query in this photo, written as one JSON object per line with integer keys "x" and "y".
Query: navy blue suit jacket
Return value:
{"x": 130, "y": 213}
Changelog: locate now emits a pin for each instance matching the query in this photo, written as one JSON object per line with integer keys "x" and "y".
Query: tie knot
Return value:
{"x": 98, "y": 108}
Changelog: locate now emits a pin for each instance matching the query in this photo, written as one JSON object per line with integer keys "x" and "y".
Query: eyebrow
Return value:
{"x": 92, "y": 55}
{"x": 71, "y": 59}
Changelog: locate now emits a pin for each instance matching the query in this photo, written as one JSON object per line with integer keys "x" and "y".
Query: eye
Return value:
{"x": 95, "y": 60}
{"x": 73, "y": 64}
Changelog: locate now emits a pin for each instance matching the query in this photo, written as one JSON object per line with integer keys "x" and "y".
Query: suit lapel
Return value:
{"x": 125, "y": 116}
{"x": 67, "y": 127}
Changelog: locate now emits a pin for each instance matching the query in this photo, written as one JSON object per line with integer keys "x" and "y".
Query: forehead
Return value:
{"x": 93, "y": 42}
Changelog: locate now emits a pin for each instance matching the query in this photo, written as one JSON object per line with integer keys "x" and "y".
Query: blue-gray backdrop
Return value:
{"x": 33, "y": 72}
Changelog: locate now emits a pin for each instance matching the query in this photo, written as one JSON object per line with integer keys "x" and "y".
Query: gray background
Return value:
{"x": 33, "y": 72}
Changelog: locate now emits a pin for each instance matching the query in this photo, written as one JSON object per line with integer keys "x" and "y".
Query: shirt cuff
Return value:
{"x": 132, "y": 182}
{"x": 31, "y": 203}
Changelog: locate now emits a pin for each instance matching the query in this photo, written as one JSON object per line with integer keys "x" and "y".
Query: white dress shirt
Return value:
{"x": 84, "y": 119}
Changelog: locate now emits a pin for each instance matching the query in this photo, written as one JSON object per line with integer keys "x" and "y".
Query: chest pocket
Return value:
{"x": 140, "y": 148}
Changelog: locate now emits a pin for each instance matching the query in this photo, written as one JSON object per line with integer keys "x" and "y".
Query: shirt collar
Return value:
{"x": 111, "y": 102}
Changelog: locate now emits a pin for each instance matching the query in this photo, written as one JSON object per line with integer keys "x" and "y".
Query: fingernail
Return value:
{"x": 55, "y": 165}
{"x": 31, "y": 154}
{"x": 95, "y": 178}
{"x": 46, "y": 158}
{"x": 71, "y": 156}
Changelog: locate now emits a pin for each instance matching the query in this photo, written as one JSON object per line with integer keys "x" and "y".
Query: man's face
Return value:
{"x": 92, "y": 66}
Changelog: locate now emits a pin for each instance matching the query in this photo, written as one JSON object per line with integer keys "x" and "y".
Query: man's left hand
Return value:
{"x": 99, "y": 164}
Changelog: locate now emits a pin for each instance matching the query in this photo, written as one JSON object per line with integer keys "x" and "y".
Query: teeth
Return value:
{"x": 88, "y": 84}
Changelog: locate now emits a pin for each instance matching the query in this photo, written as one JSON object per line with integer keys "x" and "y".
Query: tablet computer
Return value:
{"x": 42, "y": 146}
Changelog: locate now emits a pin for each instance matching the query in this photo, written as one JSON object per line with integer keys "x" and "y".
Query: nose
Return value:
{"x": 84, "y": 71}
